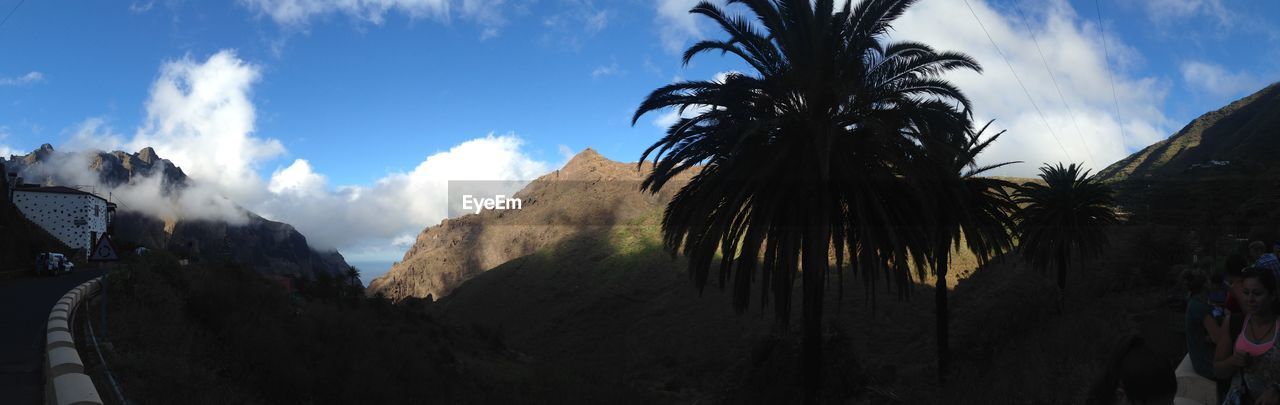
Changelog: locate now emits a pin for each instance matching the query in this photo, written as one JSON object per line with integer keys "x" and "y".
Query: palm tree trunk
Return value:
{"x": 942, "y": 314}
{"x": 1062, "y": 281}
{"x": 816, "y": 248}
{"x": 1062, "y": 271}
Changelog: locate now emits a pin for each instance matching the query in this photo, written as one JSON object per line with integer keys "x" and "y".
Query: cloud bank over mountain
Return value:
{"x": 397, "y": 205}
{"x": 200, "y": 115}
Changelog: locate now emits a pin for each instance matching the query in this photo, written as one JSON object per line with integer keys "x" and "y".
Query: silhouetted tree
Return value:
{"x": 1064, "y": 219}
{"x": 976, "y": 210}
{"x": 353, "y": 275}
{"x": 819, "y": 146}
{"x": 353, "y": 290}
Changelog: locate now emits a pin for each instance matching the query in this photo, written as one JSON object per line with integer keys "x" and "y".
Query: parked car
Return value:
{"x": 53, "y": 264}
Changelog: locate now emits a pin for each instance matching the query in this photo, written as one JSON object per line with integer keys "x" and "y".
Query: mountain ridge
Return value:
{"x": 1217, "y": 176}
{"x": 1213, "y": 136}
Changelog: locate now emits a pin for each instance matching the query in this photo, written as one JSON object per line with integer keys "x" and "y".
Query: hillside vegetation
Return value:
{"x": 612, "y": 308}
{"x": 220, "y": 334}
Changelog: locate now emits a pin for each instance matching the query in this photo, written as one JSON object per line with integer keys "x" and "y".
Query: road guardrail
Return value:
{"x": 64, "y": 379}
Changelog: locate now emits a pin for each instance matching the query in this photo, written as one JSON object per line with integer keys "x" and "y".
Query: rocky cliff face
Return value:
{"x": 267, "y": 246}
{"x": 589, "y": 193}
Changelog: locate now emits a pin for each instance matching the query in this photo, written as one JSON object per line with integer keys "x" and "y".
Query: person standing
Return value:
{"x": 1234, "y": 270}
{"x": 1261, "y": 258}
{"x": 1251, "y": 358}
{"x": 1199, "y": 322}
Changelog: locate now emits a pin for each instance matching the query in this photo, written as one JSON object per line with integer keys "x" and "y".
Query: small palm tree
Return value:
{"x": 1064, "y": 219}
{"x": 353, "y": 275}
{"x": 977, "y": 210}
{"x": 817, "y": 148}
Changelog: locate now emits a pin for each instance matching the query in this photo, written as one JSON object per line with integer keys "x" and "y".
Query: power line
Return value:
{"x": 1054, "y": 79}
{"x": 1019, "y": 80}
{"x": 15, "y": 8}
{"x": 1102, "y": 30}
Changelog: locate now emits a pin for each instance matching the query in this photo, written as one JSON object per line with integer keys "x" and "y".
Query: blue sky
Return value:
{"x": 328, "y": 116}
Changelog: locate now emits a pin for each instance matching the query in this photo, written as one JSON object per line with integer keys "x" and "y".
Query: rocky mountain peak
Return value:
{"x": 39, "y": 154}
{"x": 148, "y": 155}
{"x": 589, "y": 192}
{"x": 591, "y": 165}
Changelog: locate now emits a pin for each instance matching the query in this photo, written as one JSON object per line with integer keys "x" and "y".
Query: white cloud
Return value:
{"x": 200, "y": 115}
{"x": 1168, "y": 10}
{"x": 1217, "y": 80}
{"x": 1073, "y": 49}
{"x": 566, "y": 153}
{"x": 675, "y": 25}
{"x": 139, "y": 7}
{"x": 360, "y": 216}
{"x": 611, "y": 70}
{"x": 597, "y": 21}
{"x": 297, "y": 179}
{"x": 29, "y": 78}
{"x": 93, "y": 134}
{"x": 298, "y": 14}
{"x": 1192, "y": 22}
{"x": 404, "y": 241}
{"x": 576, "y": 22}
{"x": 488, "y": 12}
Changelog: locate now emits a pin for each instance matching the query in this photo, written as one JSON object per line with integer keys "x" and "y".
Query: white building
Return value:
{"x": 75, "y": 217}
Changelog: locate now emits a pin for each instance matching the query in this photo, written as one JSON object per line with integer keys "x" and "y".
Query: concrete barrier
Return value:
{"x": 64, "y": 360}
{"x": 64, "y": 377}
{"x": 57, "y": 325}
{"x": 74, "y": 389}
{"x": 58, "y": 339}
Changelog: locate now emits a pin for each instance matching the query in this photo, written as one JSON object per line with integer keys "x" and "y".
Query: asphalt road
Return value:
{"x": 24, "y": 310}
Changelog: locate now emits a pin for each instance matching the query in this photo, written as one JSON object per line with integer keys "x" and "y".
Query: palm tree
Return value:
{"x": 353, "y": 275}
{"x": 977, "y": 210}
{"x": 817, "y": 148}
{"x": 1063, "y": 219}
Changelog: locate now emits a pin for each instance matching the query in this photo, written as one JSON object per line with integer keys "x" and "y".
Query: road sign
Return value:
{"x": 103, "y": 252}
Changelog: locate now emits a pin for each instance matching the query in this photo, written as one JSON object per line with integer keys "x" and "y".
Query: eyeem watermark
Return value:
{"x": 469, "y": 197}
{"x": 498, "y": 202}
